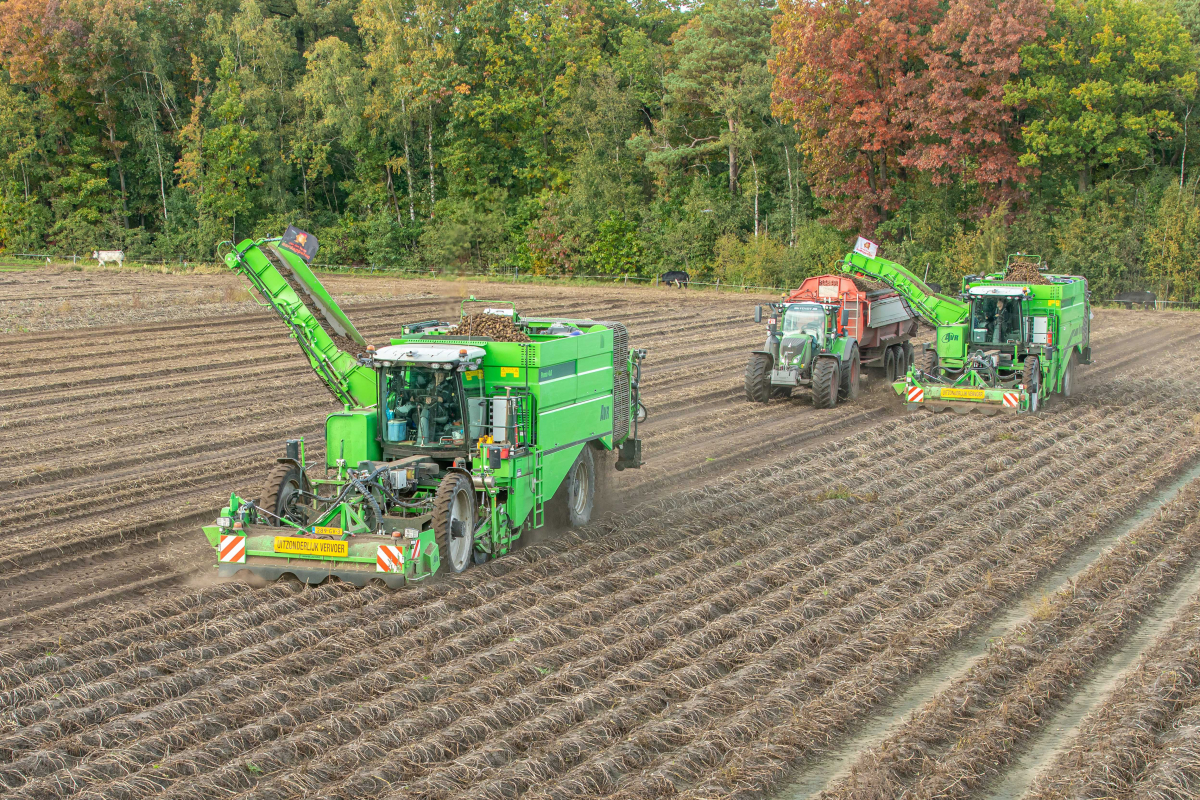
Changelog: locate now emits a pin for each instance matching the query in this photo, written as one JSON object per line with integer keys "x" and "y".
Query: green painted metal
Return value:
{"x": 573, "y": 386}
{"x": 933, "y": 307}
{"x": 1052, "y": 325}
{"x": 352, "y": 384}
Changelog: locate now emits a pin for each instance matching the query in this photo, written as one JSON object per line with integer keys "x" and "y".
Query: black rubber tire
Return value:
{"x": 1032, "y": 379}
{"x": 758, "y": 378}
{"x": 889, "y": 364}
{"x": 825, "y": 383}
{"x": 1067, "y": 385}
{"x": 284, "y": 482}
{"x": 930, "y": 364}
{"x": 580, "y": 485}
{"x": 849, "y": 384}
{"x": 902, "y": 363}
{"x": 909, "y": 355}
{"x": 454, "y": 502}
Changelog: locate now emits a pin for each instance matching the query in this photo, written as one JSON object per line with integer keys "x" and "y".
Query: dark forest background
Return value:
{"x": 734, "y": 139}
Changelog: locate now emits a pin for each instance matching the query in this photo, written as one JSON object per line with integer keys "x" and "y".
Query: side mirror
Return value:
{"x": 758, "y": 313}
{"x": 845, "y": 316}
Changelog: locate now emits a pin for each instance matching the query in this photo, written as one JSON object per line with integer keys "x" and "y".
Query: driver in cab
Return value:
{"x": 1000, "y": 322}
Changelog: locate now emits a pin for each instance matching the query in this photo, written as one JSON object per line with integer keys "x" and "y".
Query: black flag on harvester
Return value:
{"x": 300, "y": 242}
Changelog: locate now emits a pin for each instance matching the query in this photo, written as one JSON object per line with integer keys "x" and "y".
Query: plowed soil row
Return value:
{"x": 767, "y": 580}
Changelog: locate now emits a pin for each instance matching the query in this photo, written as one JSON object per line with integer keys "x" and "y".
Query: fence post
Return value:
{"x": 718, "y": 284}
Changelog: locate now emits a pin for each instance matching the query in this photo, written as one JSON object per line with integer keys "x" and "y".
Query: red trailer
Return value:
{"x": 878, "y": 318}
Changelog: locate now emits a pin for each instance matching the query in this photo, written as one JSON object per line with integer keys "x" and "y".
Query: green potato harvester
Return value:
{"x": 447, "y": 448}
{"x": 1004, "y": 344}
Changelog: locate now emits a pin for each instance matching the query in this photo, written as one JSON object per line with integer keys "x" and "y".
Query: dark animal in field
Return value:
{"x": 1144, "y": 299}
{"x": 675, "y": 277}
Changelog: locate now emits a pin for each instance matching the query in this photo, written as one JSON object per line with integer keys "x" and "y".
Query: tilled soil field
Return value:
{"x": 759, "y": 592}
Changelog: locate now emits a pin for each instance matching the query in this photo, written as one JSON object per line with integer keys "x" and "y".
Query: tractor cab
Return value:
{"x": 804, "y": 330}
{"x": 1000, "y": 321}
{"x": 430, "y": 397}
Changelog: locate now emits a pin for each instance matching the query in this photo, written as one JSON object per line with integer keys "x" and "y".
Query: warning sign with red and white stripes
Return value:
{"x": 389, "y": 558}
{"x": 915, "y": 394}
{"x": 1012, "y": 399}
{"x": 416, "y": 549}
{"x": 232, "y": 549}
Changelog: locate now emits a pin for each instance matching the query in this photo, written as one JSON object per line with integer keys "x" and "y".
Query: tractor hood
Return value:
{"x": 430, "y": 354}
{"x": 792, "y": 347}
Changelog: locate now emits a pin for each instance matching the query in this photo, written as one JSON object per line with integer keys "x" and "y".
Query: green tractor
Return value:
{"x": 1005, "y": 344}
{"x": 824, "y": 334}
{"x": 449, "y": 445}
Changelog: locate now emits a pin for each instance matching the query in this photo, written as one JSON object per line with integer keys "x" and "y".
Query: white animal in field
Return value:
{"x": 105, "y": 256}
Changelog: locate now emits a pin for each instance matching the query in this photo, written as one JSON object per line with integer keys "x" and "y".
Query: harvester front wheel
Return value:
{"x": 825, "y": 383}
{"x": 848, "y": 388}
{"x": 931, "y": 362}
{"x": 1032, "y": 379}
{"x": 283, "y": 495}
{"x": 581, "y": 489}
{"x": 454, "y": 521}
{"x": 758, "y": 378}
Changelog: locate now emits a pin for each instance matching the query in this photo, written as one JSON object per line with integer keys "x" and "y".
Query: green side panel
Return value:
{"x": 350, "y": 382}
{"x": 213, "y": 534}
{"x": 952, "y": 341}
{"x": 353, "y": 434}
{"x": 521, "y": 494}
{"x": 595, "y": 375}
{"x": 934, "y": 308}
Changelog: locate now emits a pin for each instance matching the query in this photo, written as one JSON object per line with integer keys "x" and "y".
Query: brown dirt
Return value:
{"x": 735, "y": 610}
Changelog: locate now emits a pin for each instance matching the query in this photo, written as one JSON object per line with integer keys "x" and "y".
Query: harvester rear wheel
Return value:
{"x": 454, "y": 521}
{"x": 825, "y": 383}
{"x": 282, "y": 495}
{"x": 581, "y": 489}
{"x": 848, "y": 385}
{"x": 758, "y": 378}
{"x": 1032, "y": 378}
{"x": 1067, "y": 387}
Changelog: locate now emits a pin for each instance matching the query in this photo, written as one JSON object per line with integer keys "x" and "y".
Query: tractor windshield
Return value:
{"x": 996, "y": 320}
{"x": 422, "y": 407}
{"x": 809, "y": 319}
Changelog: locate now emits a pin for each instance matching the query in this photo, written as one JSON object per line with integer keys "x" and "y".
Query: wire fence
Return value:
{"x": 495, "y": 273}
{"x": 499, "y": 273}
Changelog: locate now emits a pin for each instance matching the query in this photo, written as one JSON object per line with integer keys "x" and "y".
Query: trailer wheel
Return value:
{"x": 454, "y": 521}
{"x": 903, "y": 362}
{"x": 282, "y": 495}
{"x": 909, "y": 356}
{"x": 1067, "y": 388}
{"x": 758, "y": 378}
{"x": 889, "y": 364}
{"x": 825, "y": 383}
{"x": 848, "y": 385}
{"x": 581, "y": 489}
{"x": 1032, "y": 377}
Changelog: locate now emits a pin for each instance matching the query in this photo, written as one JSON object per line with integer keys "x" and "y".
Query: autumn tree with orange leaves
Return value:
{"x": 883, "y": 90}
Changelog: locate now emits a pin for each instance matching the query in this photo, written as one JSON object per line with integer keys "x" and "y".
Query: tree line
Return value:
{"x": 736, "y": 139}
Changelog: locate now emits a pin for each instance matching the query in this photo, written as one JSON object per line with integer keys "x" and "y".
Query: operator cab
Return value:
{"x": 997, "y": 321}
{"x": 424, "y": 396}
{"x": 805, "y": 319}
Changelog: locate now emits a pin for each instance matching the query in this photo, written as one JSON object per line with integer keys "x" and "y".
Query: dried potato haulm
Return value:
{"x": 493, "y": 326}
